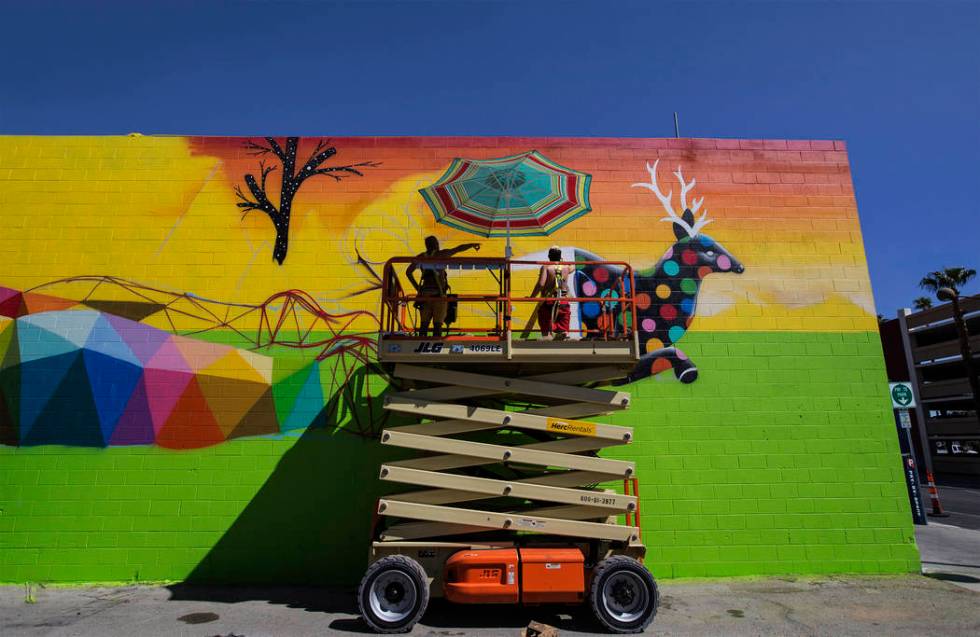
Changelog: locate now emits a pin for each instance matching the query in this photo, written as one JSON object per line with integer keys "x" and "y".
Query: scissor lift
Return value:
{"x": 509, "y": 502}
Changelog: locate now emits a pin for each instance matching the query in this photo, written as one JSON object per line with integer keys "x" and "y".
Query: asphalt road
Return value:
{"x": 960, "y": 497}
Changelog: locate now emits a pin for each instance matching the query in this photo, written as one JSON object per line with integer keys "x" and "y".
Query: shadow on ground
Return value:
{"x": 309, "y": 524}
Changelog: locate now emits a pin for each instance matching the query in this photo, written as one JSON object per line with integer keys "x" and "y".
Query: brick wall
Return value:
{"x": 154, "y": 429}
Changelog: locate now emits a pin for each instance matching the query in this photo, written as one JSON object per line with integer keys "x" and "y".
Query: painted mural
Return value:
{"x": 175, "y": 404}
{"x": 90, "y": 368}
{"x": 85, "y": 371}
{"x": 291, "y": 179}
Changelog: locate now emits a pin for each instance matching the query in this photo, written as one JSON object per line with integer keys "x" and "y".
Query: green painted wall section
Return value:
{"x": 781, "y": 459}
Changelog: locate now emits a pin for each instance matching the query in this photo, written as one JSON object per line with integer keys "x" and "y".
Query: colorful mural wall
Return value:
{"x": 188, "y": 387}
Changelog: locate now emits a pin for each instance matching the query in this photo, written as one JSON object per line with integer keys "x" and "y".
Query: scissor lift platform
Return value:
{"x": 509, "y": 453}
{"x": 463, "y": 350}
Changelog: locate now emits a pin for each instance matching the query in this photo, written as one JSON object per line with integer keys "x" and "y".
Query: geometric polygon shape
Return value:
{"x": 229, "y": 399}
{"x": 111, "y": 382}
{"x": 168, "y": 357}
{"x": 259, "y": 421}
{"x": 104, "y": 339}
{"x": 35, "y": 342}
{"x": 9, "y": 382}
{"x": 73, "y": 327}
{"x": 299, "y": 398}
{"x": 135, "y": 425}
{"x": 11, "y": 303}
{"x": 132, "y": 310}
{"x": 142, "y": 340}
{"x": 164, "y": 387}
{"x": 232, "y": 365}
{"x": 9, "y": 434}
{"x": 191, "y": 424}
{"x": 260, "y": 363}
{"x": 200, "y": 354}
{"x": 7, "y": 331}
{"x": 40, "y": 380}
{"x": 35, "y": 303}
{"x": 69, "y": 415}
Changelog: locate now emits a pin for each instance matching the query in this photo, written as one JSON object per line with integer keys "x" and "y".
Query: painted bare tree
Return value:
{"x": 258, "y": 198}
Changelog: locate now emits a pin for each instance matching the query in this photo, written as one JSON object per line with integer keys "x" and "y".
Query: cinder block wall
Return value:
{"x": 153, "y": 427}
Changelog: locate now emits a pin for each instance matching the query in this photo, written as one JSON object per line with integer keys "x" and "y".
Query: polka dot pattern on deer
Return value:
{"x": 668, "y": 312}
{"x": 671, "y": 267}
{"x": 687, "y": 305}
{"x": 601, "y": 275}
{"x": 663, "y": 291}
{"x": 642, "y": 301}
{"x": 675, "y": 333}
{"x": 588, "y": 288}
{"x": 688, "y": 286}
{"x": 609, "y": 295}
{"x": 704, "y": 271}
{"x": 660, "y": 365}
{"x": 654, "y": 344}
{"x": 724, "y": 263}
{"x": 590, "y": 309}
{"x": 648, "y": 325}
{"x": 689, "y": 257}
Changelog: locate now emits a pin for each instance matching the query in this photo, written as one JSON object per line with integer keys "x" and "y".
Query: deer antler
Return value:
{"x": 652, "y": 186}
{"x": 684, "y": 188}
{"x": 666, "y": 200}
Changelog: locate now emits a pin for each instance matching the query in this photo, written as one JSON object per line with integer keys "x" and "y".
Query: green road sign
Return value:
{"x": 902, "y": 397}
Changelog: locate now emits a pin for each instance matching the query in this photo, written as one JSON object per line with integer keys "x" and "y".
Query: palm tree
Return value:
{"x": 922, "y": 303}
{"x": 954, "y": 278}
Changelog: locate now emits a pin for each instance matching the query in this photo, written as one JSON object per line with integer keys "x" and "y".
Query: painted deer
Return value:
{"x": 666, "y": 294}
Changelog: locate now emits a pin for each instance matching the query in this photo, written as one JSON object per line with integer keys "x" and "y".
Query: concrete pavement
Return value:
{"x": 944, "y": 602}
{"x": 908, "y": 605}
{"x": 950, "y": 553}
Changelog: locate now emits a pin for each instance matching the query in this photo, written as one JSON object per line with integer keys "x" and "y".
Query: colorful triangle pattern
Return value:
{"x": 71, "y": 375}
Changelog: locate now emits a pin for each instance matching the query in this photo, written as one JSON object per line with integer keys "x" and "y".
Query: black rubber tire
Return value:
{"x": 608, "y": 568}
{"x": 411, "y": 569}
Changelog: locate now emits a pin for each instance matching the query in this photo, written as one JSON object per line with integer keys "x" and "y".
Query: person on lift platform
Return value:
{"x": 553, "y": 316}
{"x": 434, "y": 283}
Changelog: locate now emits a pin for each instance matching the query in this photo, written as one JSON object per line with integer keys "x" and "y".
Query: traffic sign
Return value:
{"x": 902, "y": 396}
{"x": 904, "y": 419}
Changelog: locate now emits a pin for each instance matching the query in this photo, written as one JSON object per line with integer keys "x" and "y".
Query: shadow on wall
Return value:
{"x": 309, "y": 524}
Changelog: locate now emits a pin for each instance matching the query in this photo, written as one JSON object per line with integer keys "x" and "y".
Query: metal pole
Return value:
{"x": 920, "y": 415}
{"x": 971, "y": 373}
{"x": 677, "y": 127}
{"x": 914, "y": 378}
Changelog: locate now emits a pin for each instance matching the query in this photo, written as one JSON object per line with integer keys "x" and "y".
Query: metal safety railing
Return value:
{"x": 614, "y": 312}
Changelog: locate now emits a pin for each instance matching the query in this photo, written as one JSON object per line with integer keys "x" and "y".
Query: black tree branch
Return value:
{"x": 350, "y": 169}
{"x": 291, "y": 182}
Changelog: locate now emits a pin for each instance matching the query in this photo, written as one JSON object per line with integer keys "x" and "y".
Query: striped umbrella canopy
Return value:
{"x": 522, "y": 195}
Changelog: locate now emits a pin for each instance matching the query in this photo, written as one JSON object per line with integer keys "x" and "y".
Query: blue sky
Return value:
{"x": 900, "y": 82}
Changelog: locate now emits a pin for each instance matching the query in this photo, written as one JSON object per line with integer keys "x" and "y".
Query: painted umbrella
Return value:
{"x": 522, "y": 195}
